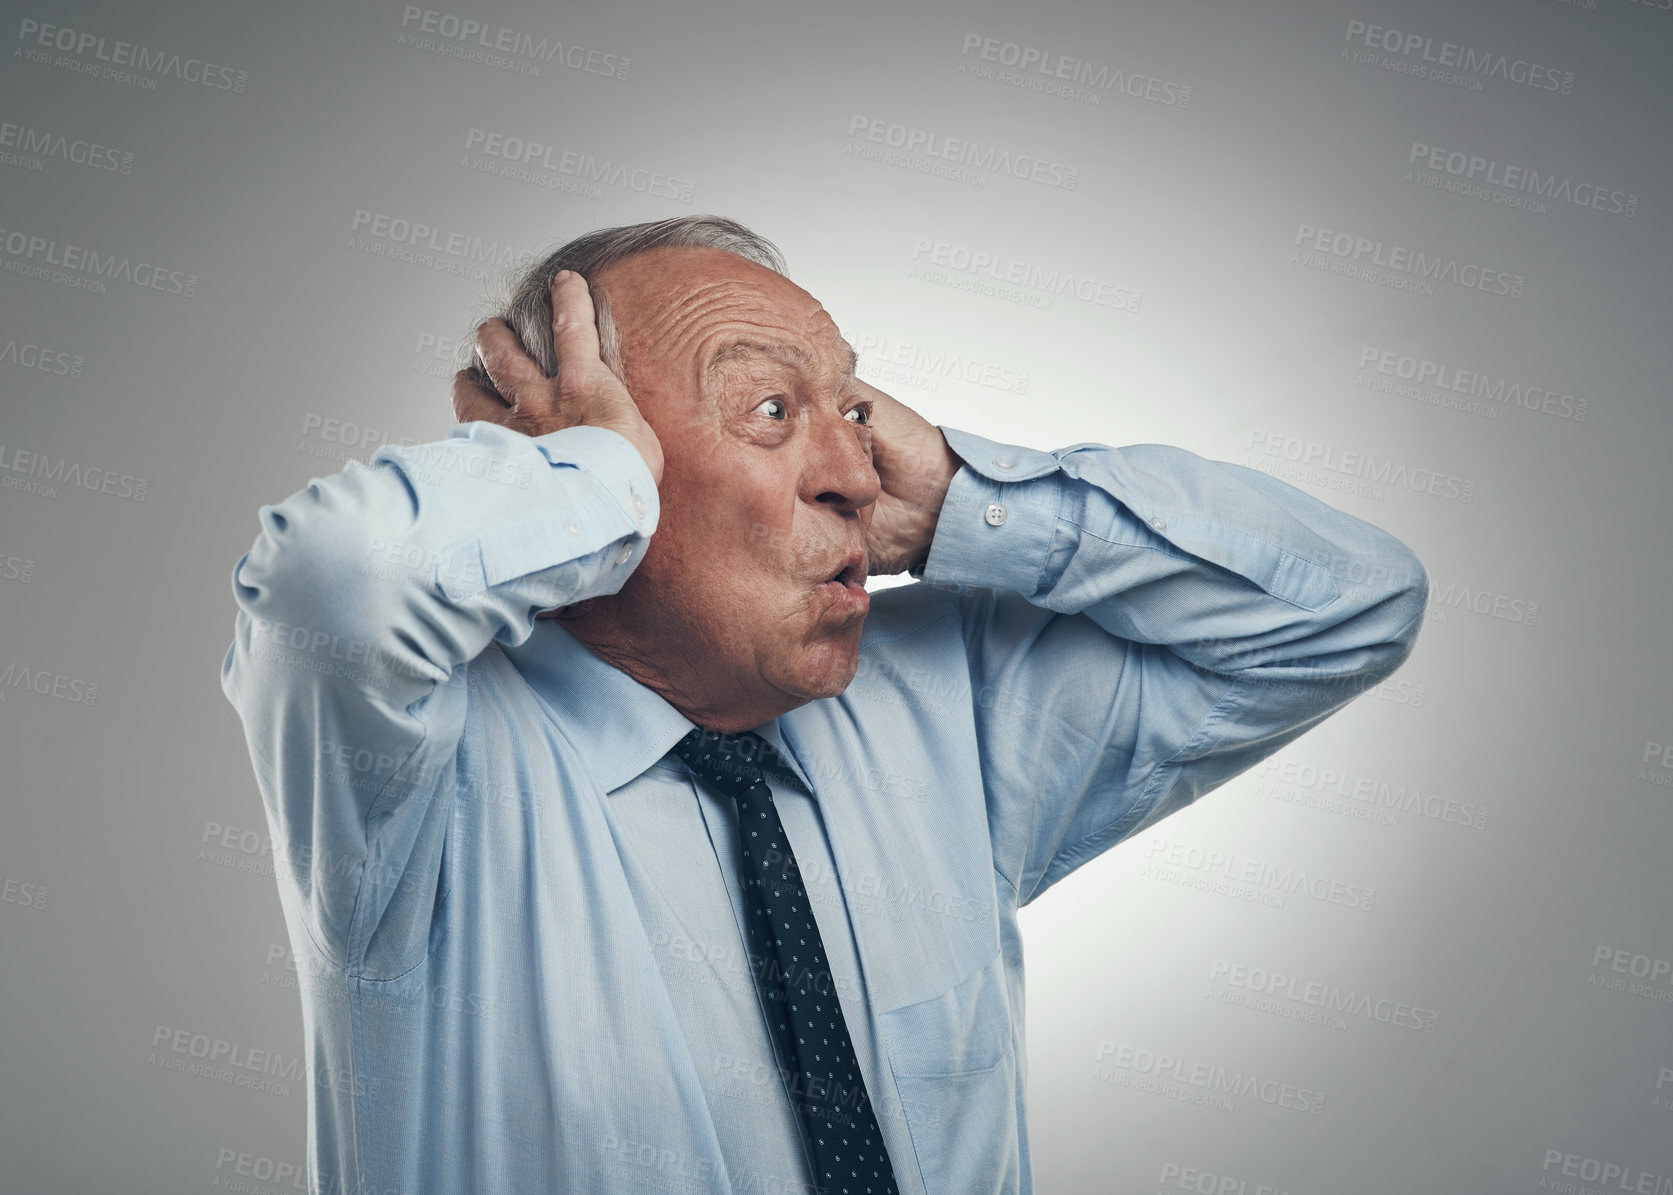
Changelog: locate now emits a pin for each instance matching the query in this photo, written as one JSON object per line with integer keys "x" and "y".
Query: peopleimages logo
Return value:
{"x": 938, "y": 150}
{"x": 416, "y": 242}
{"x": 399, "y": 230}
{"x": 61, "y": 362}
{"x": 1446, "y": 599}
{"x": 926, "y": 366}
{"x": 1204, "y": 1076}
{"x": 1600, "y": 1175}
{"x": 1287, "y": 995}
{"x": 1169, "y": 859}
{"x": 85, "y": 268}
{"x": 1353, "y": 471}
{"x": 1361, "y": 256}
{"x": 984, "y": 269}
{"x": 1474, "y": 175}
{"x": 224, "y": 1061}
{"x": 34, "y": 145}
{"x": 1282, "y": 777}
{"x": 146, "y": 63}
{"x": 28, "y": 895}
{"x": 38, "y": 473}
{"x": 292, "y": 1176}
{"x": 1662, "y": 754}
{"x": 1452, "y": 62}
{"x": 1470, "y": 384}
{"x": 45, "y": 683}
{"x": 1207, "y": 1182}
{"x": 494, "y": 45}
{"x": 1037, "y": 69}
{"x": 537, "y": 157}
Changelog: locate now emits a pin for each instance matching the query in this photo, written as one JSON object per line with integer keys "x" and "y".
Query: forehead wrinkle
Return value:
{"x": 784, "y": 353}
{"x": 678, "y": 318}
{"x": 663, "y": 332}
{"x": 728, "y": 310}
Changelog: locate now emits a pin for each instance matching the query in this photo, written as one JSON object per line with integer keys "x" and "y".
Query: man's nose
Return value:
{"x": 840, "y": 472}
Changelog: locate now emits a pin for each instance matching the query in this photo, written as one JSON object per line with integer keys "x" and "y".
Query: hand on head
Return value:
{"x": 583, "y": 392}
{"x": 914, "y": 467}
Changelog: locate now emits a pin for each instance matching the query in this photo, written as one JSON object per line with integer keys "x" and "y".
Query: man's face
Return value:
{"x": 767, "y": 485}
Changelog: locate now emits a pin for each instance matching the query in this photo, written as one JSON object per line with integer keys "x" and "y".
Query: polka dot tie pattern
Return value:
{"x": 798, "y": 993}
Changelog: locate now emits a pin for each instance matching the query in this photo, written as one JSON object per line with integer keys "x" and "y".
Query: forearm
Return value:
{"x": 1236, "y": 572}
{"x": 1144, "y": 625}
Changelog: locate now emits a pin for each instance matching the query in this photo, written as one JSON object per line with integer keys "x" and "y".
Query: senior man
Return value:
{"x": 625, "y": 842}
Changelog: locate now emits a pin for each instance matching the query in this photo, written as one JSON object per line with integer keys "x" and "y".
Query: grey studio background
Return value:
{"x": 1413, "y": 257}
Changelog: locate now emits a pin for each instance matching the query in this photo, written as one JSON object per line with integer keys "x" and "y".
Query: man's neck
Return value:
{"x": 683, "y": 681}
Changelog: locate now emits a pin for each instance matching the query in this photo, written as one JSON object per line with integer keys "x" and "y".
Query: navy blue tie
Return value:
{"x": 798, "y": 994}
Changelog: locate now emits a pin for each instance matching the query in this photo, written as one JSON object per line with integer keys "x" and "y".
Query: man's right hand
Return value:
{"x": 584, "y": 392}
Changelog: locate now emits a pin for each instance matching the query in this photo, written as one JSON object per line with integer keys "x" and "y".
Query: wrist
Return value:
{"x": 644, "y": 439}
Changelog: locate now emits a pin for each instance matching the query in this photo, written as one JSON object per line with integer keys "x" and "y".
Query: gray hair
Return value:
{"x": 528, "y": 309}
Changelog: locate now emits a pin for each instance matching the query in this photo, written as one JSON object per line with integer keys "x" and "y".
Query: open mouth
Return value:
{"x": 852, "y": 572}
{"x": 848, "y": 583}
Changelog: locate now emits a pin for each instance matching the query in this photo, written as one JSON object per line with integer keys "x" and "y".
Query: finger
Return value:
{"x": 574, "y": 323}
{"x": 870, "y": 391}
{"x": 472, "y": 402}
{"x": 886, "y": 409}
{"x": 509, "y": 368}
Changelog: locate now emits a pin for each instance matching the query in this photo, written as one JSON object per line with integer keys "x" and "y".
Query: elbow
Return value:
{"x": 292, "y": 573}
{"x": 1401, "y": 606}
{"x": 317, "y": 602}
{"x": 1411, "y": 597}
{"x": 308, "y": 576}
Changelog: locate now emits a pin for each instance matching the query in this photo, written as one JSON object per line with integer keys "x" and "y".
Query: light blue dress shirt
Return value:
{"x": 517, "y": 918}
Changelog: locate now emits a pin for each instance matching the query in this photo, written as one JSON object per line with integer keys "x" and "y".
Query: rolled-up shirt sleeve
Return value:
{"x": 1142, "y": 625}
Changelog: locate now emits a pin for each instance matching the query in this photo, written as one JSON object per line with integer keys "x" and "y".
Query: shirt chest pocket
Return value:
{"x": 955, "y": 1070}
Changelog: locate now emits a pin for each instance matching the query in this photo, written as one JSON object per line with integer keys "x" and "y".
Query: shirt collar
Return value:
{"x": 618, "y": 726}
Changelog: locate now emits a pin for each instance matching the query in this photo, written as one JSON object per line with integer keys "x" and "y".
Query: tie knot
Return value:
{"x": 731, "y": 761}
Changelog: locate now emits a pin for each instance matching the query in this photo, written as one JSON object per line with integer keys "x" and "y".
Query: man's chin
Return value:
{"x": 829, "y": 669}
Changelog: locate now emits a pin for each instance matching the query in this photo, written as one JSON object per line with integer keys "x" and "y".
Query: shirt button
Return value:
{"x": 572, "y": 528}
{"x": 1003, "y": 462}
{"x": 624, "y": 554}
{"x": 994, "y": 514}
{"x": 1159, "y": 523}
{"x": 639, "y": 505}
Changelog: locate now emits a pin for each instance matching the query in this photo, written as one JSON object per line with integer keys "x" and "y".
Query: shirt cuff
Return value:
{"x": 999, "y": 519}
{"x": 599, "y": 490}
{"x": 613, "y": 460}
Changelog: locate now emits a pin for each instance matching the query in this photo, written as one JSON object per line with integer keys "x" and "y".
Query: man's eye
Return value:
{"x": 864, "y": 413}
{"x": 781, "y": 406}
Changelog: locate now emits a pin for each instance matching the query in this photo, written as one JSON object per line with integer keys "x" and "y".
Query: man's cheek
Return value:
{"x": 779, "y": 546}
{"x": 766, "y": 541}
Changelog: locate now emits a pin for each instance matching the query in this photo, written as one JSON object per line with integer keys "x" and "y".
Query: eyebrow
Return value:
{"x": 788, "y": 354}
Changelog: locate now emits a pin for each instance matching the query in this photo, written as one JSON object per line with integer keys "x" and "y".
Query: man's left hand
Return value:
{"x": 914, "y": 467}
